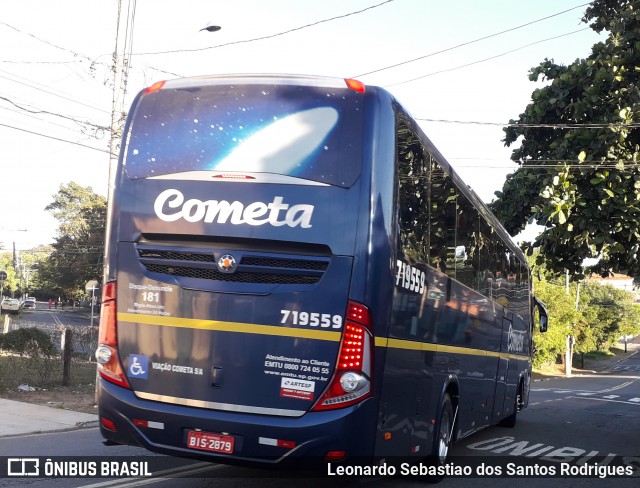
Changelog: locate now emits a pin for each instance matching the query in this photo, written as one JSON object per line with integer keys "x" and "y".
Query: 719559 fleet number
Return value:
{"x": 410, "y": 278}
{"x": 312, "y": 319}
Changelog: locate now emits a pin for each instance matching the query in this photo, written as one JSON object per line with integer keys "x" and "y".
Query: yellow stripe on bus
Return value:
{"x": 426, "y": 346}
{"x": 322, "y": 335}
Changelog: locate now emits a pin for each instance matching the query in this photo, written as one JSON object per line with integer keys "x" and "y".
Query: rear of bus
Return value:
{"x": 230, "y": 326}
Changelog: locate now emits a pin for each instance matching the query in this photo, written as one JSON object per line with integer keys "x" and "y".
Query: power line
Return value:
{"x": 49, "y": 43}
{"x": 46, "y": 91}
{"x": 12, "y": 61}
{"x": 535, "y": 126}
{"x": 593, "y": 165}
{"x": 487, "y": 59}
{"x": 469, "y": 42}
{"x": 73, "y": 119}
{"x": 48, "y": 122}
{"x": 561, "y": 165}
{"x": 270, "y": 36}
{"x": 54, "y": 138}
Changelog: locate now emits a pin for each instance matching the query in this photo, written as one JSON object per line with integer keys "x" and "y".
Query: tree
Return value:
{"x": 611, "y": 314}
{"x": 579, "y": 175}
{"x": 79, "y": 247}
{"x": 10, "y": 284}
{"x": 564, "y": 320}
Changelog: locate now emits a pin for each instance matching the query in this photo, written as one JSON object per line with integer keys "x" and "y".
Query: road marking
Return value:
{"x": 179, "y": 472}
{"x": 614, "y": 388}
{"x": 55, "y": 318}
{"x": 634, "y": 399}
{"x": 611, "y": 397}
{"x": 626, "y": 402}
{"x": 587, "y": 393}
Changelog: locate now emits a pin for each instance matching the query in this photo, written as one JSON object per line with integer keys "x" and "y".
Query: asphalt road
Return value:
{"x": 43, "y": 315}
{"x": 54, "y": 320}
{"x": 577, "y": 423}
{"x": 587, "y": 423}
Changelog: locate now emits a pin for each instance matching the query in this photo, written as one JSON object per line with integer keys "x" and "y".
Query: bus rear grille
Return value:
{"x": 238, "y": 277}
{"x": 252, "y": 267}
{"x": 270, "y": 262}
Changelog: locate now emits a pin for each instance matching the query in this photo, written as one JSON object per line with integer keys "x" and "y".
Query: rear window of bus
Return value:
{"x": 307, "y": 132}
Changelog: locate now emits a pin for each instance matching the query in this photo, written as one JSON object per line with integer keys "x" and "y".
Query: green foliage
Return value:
{"x": 562, "y": 321}
{"x": 23, "y": 278}
{"x": 31, "y": 342}
{"x": 579, "y": 150}
{"x": 611, "y": 314}
{"x": 79, "y": 248}
{"x": 602, "y": 316}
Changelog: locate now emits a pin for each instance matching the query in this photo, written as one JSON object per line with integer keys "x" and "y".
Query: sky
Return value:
{"x": 460, "y": 68}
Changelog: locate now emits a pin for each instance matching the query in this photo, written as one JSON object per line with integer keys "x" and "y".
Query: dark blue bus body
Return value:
{"x": 294, "y": 273}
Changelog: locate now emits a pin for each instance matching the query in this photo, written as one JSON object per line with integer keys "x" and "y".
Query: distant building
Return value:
{"x": 619, "y": 281}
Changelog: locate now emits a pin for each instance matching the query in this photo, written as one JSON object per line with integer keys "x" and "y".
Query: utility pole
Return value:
{"x": 120, "y": 69}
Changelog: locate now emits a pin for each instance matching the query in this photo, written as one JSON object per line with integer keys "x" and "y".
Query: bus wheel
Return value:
{"x": 443, "y": 433}
{"x": 510, "y": 421}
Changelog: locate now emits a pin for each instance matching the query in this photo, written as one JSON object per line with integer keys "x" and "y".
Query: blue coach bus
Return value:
{"x": 294, "y": 273}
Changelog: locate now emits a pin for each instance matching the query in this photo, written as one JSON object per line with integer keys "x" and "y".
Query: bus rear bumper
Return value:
{"x": 259, "y": 440}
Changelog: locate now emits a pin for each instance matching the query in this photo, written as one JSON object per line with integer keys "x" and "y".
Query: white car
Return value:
{"x": 10, "y": 305}
{"x": 29, "y": 303}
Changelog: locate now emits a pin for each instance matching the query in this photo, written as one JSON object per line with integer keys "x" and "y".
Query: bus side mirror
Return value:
{"x": 544, "y": 315}
{"x": 544, "y": 321}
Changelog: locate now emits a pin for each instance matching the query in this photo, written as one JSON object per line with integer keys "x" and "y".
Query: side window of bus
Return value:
{"x": 413, "y": 198}
{"x": 513, "y": 279}
{"x": 443, "y": 217}
{"x": 521, "y": 285}
{"x": 466, "y": 250}
{"x": 502, "y": 291}
{"x": 487, "y": 259}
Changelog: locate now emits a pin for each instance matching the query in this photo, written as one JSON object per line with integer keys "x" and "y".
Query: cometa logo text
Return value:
{"x": 170, "y": 206}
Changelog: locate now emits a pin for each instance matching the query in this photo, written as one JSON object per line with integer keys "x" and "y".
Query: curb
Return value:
{"x": 602, "y": 367}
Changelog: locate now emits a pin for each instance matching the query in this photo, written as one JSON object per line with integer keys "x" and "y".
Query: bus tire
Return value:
{"x": 510, "y": 421}
{"x": 442, "y": 435}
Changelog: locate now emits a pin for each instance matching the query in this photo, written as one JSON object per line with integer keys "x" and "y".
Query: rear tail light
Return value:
{"x": 108, "y": 424}
{"x": 109, "y": 365}
{"x": 155, "y": 87}
{"x": 355, "y": 85}
{"x": 351, "y": 381}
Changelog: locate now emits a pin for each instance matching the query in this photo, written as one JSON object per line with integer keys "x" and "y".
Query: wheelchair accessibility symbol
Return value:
{"x": 138, "y": 366}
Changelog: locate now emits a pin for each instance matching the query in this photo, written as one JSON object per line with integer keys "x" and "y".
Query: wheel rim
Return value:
{"x": 443, "y": 438}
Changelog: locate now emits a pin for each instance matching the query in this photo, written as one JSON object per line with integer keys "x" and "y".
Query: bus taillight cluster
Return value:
{"x": 351, "y": 382}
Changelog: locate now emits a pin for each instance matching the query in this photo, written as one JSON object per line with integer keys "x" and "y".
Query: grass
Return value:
{"x": 42, "y": 372}
{"x": 599, "y": 355}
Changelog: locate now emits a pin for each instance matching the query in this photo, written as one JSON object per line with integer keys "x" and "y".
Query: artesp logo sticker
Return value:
{"x": 296, "y": 388}
{"x": 138, "y": 366}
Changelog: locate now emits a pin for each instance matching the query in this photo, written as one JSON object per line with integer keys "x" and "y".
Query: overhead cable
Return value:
{"x": 468, "y": 42}
{"x": 487, "y": 59}
{"x": 270, "y": 36}
{"x": 52, "y": 137}
{"x": 586, "y": 125}
{"x": 67, "y": 117}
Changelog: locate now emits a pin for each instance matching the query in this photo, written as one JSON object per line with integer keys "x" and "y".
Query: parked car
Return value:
{"x": 29, "y": 303}
{"x": 10, "y": 305}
